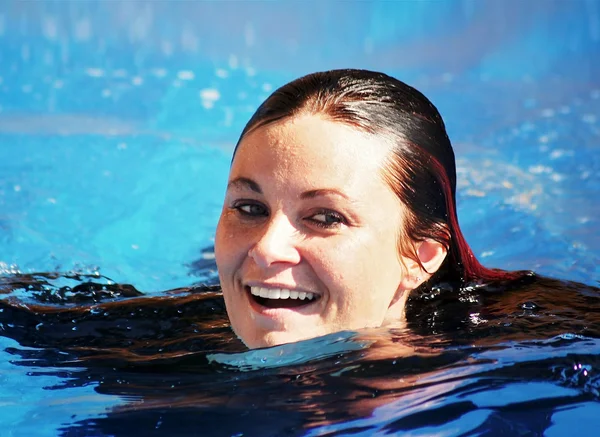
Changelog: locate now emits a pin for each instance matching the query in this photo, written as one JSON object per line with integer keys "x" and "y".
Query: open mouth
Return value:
{"x": 281, "y": 297}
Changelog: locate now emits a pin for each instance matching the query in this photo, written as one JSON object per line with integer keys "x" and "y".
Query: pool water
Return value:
{"x": 117, "y": 122}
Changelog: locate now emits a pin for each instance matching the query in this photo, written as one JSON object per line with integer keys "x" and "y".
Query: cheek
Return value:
{"x": 341, "y": 264}
{"x": 226, "y": 243}
{"x": 363, "y": 272}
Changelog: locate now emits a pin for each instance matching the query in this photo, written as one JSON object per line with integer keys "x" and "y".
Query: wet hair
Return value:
{"x": 420, "y": 170}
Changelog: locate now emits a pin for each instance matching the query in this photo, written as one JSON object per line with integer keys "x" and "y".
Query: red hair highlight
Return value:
{"x": 472, "y": 269}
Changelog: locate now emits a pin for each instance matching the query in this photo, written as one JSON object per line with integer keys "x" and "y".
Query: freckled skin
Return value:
{"x": 352, "y": 263}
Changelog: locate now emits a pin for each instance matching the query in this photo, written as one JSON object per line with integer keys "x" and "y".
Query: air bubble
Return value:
{"x": 530, "y": 306}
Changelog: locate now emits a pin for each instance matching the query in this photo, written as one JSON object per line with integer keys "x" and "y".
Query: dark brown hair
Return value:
{"x": 420, "y": 170}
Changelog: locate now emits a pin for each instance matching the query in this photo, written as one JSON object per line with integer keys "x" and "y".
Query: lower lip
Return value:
{"x": 277, "y": 313}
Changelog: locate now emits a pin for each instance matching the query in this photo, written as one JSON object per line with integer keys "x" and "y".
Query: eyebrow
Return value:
{"x": 247, "y": 183}
{"x": 242, "y": 183}
{"x": 311, "y": 194}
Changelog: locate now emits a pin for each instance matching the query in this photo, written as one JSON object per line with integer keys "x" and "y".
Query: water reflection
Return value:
{"x": 478, "y": 358}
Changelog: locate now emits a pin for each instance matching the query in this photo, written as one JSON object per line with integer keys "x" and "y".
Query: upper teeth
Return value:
{"x": 280, "y": 293}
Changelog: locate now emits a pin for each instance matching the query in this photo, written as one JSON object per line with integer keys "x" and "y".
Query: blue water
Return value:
{"x": 117, "y": 121}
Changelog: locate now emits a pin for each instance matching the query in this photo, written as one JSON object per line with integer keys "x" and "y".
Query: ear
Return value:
{"x": 431, "y": 255}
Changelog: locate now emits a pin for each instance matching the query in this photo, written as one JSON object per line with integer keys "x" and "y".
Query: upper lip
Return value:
{"x": 273, "y": 286}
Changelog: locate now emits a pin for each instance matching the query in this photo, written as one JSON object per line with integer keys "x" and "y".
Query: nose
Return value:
{"x": 276, "y": 243}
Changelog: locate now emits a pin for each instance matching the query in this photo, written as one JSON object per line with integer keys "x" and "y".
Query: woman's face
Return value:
{"x": 307, "y": 240}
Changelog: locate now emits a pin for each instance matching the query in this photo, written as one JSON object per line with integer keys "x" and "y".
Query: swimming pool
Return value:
{"x": 117, "y": 121}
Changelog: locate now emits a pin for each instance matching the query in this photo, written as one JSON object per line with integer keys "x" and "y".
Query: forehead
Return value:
{"x": 315, "y": 145}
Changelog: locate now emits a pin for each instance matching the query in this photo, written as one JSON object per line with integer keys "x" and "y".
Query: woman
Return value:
{"x": 340, "y": 202}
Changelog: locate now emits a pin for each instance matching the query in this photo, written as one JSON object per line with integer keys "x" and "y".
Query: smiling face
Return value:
{"x": 307, "y": 242}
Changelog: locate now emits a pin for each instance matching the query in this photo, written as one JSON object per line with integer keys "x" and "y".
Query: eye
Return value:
{"x": 327, "y": 219}
{"x": 250, "y": 209}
